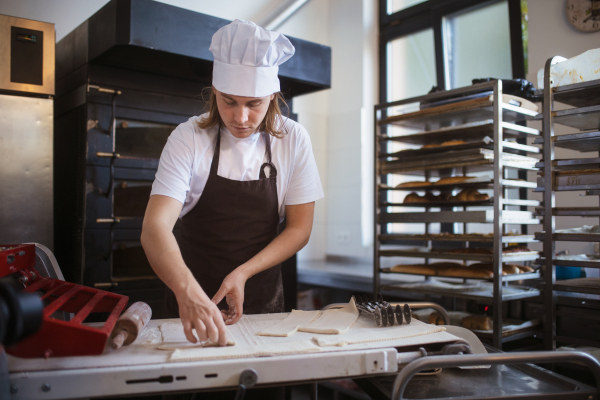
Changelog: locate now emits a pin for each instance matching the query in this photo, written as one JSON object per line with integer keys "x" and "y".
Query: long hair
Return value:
{"x": 273, "y": 123}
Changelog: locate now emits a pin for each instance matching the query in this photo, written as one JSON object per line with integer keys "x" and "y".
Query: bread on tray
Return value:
{"x": 467, "y": 272}
{"x": 478, "y": 323}
{"x": 413, "y": 184}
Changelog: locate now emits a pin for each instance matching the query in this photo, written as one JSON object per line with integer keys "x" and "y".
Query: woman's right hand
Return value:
{"x": 198, "y": 312}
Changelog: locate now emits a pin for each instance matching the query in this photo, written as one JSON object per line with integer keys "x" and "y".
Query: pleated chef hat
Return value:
{"x": 247, "y": 59}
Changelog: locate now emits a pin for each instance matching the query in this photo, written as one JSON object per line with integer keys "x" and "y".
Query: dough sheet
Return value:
{"x": 333, "y": 321}
{"x": 364, "y": 332}
{"x": 174, "y": 338}
{"x": 263, "y": 350}
{"x": 290, "y": 324}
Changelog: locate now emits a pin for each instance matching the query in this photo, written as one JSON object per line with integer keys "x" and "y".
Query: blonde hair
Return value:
{"x": 273, "y": 123}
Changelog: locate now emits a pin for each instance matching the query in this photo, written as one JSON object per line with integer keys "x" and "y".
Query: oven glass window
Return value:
{"x": 129, "y": 261}
{"x": 137, "y": 139}
{"x": 131, "y": 198}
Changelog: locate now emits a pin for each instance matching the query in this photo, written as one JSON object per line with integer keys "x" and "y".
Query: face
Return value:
{"x": 242, "y": 115}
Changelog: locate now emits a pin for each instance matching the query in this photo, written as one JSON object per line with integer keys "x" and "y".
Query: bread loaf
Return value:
{"x": 471, "y": 250}
{"x": 470, "y": 195}
{"x": 453, "y": 179}
{"x": 414, "y": 269}
{"x": 413, "y": 198}
{"x": 525, "y": 268}
{"x": 435, "y": 318}
{"x": 453, "y": 142}
{"x": 477, "y": 322}
{"x": 467, "y": 272}
{"x": 413, "y": 184}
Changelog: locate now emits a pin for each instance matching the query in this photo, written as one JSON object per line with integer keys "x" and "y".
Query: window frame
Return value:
{"x": 430, "y": 14}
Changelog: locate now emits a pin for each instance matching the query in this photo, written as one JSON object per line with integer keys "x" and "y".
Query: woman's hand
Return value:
{"x": 198, "y": 312}
{"x": 232, "y": 289}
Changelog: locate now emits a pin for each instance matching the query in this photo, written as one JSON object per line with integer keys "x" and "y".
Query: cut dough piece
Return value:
{"x": 174, "y": 338}
{"x": 333, "y": 321}
{"x": 262, "y": 350}
{"x": 290, "y": 324}
{"x": 381, "y": 334}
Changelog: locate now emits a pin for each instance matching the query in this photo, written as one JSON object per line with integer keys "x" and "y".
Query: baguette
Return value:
{"x": 422, "y": 269}
{"x": 525, "y": 268}
{"x": 453, "y": 179}
{"x": 413, "y": 183}
{"x": 467, "y": 272}
{"x": 453, "y": 142}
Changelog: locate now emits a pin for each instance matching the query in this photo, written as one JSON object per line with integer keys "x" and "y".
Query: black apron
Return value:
{"x": 231, "y": 223}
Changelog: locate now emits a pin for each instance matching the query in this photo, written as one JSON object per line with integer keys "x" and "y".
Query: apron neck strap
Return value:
{"x": 214, "y": 165}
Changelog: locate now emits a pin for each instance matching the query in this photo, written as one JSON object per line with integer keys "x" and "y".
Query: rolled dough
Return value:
{"x": 333, "y": 321}
{"x": 290, "y": 324}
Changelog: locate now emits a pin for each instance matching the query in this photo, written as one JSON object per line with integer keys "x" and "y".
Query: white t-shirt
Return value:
{"x": 185, "y": 163}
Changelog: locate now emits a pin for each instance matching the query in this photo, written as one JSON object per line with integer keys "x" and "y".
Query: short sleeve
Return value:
{"x": 305, "y": 183}
{"x": 174, "y": 172}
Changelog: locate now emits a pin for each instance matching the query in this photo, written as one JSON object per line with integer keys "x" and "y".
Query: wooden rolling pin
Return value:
{"x": 130, "y": 324}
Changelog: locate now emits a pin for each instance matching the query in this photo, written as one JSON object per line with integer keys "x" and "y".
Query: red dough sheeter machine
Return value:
{"x": 68, "y": 358}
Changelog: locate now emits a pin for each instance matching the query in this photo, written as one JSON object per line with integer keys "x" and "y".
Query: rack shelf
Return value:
{"x": 505, "y": 278}
{"x": 483, "y": 294}
{"x": 581, "y": 94}
{"x": 579, "y": 285}
{"x": 570, "y": 211}
{"x": 583, "y": 142}
{"x": 584, "y": 118}
{"x": 441, "y": 255}
{"x": 482, "y": 217}
{"x": 570, "y": 237}
{"x": 460, "y": 112}
{"x": 468, "y": 132}
{"x": 458, "y": 238}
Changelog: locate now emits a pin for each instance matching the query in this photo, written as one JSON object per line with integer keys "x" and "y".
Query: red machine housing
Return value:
{"x": 58, "y": 338}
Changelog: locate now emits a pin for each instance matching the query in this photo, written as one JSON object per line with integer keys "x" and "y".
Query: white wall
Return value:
{"x": 550, "y": 34}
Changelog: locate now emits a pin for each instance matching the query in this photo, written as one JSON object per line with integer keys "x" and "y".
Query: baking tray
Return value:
{"x": 533, "y": 326}
{"x": 579, "y": 285}
{"x": 439, "y": 204}
{"x": 580, "y": 94}
{"x": 570, "y": 211}
{"x": 480, "y": 216}
{"x": 416, "y": 153}
{"x": 468, "y": 132}
{"x": 458, "y": 238}
{"x": 456, "y": 158}
{"x": 584, "y": 142}
{"x": 457, "y": 114}
{"x": 571, "y": 263}
{"x": 572, "y": 164}
{"x": 571, "y": 237}
{"x": 482, "y": 291}
{"x": 441, "y": 255}
{"x": 584, "y": 118}
{"x": 505, "y": 278}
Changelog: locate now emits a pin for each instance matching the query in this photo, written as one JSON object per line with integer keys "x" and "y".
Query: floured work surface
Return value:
{"x": 145, "y": 350}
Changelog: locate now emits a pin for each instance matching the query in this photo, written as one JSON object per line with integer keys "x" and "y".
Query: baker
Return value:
{"x": 231, "y": 175}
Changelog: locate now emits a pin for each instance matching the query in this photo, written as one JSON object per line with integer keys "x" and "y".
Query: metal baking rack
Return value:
{"x": 471, "y": 121}
{"x": 575, "y": 174}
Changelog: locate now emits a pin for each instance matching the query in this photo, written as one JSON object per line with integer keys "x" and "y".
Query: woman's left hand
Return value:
{"x": 232, "y": 289}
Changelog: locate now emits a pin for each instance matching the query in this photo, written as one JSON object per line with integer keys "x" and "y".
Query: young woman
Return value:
{"x": 231, "y": 175}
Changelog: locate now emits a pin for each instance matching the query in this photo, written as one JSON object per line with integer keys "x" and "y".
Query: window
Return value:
{"x": 477, "y": 45}
{"x": 449, "y": 43}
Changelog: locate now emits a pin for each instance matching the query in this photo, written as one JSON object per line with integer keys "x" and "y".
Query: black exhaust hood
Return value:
{"x": 148, "y": 36}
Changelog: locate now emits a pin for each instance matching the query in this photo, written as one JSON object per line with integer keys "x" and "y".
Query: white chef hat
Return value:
{"x": 247, "y": 59}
